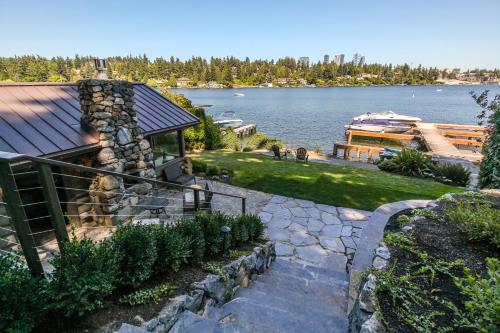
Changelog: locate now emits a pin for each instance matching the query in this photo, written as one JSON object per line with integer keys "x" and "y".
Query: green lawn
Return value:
{"x": 322, "y": 183}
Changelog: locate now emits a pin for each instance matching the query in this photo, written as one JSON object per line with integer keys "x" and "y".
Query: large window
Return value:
{"x": 165, "y": 147}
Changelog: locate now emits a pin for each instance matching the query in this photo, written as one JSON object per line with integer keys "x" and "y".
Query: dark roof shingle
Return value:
{"x": 44, "y": 118}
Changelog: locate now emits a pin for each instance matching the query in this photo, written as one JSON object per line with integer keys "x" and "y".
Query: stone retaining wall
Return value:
{"x": 213, "y": 291}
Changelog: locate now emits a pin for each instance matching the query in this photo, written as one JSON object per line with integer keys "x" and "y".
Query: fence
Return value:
{"x": 42, "y": 201}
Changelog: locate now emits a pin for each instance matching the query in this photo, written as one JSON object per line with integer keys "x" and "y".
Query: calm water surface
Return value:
{"x": 315, "y": 117}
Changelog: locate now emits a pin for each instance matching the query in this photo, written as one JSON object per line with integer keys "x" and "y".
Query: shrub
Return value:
{"x": 171, "y": 247}
{"x": 192, "y": 232}
{"x": 231, "y": 141}
{"x": 213, "y": 170}
{"x": 21, "y": 296}
{"x": 483, "y": 299}
{"x": 85, "y": 274}
{"x": 253, "y": 225}
{"x": 258, "y": 141}
{"x": 477, "y": 219}
{"x": 199, "y": 166}
{"x": 215, "y": 268}
{"x": 211, "y": 224}
{"x": 455, "y": 173}
{"x": 408, "y": 163}
{"x": 403, "y": 220}
{"x": 148, "y": 295}
{"x": 136, "y": 248}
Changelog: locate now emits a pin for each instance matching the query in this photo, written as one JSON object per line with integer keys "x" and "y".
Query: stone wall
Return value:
{"x": 108, "y": 112}
{"x": 212, "y": 292}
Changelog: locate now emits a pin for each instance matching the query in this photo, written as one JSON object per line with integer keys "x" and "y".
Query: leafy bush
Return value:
{"x": 148, "y": 295}
{"x": 215, "y": 268}
{"x": 171, "y": 247}
{"x": 483, "y": 299}
{"x": 213, "y": 170}
{"x": 254, "y": 228}
{"x": 136, "y": 246}
{"x": 403, "y": 220}
{"x": 455, "y": 173}
{"x": 21, "y": 296}
{"x": 477, "y": 219}
{"x": 85, "y": 274}
{"x": 199, "y": 166}
{"x": 192, "y": 232}
{"x": 489, "y": 172}
{"x": 211, "y": 224}
{"x": 231, "y": 141}
{"x": 408, "y": 163}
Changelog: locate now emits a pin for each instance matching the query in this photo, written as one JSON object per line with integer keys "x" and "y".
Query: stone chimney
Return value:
{"x": 107, "y": 112}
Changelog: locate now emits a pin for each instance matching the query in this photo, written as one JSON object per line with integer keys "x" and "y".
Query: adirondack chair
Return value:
{"x": 205, "y": 201}
{"x": 301, "y": 155}
{"x": 277, "y": 153}
{"x": 173, "y": 173}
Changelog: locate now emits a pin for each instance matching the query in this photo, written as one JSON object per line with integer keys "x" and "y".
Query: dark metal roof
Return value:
{"x": 43, "y": 119}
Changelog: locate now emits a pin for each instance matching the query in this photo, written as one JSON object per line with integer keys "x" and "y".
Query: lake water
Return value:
{"x": 315, "y": 117}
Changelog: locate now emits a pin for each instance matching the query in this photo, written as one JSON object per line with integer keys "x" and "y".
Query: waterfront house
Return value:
{"x": 110, "y": 124}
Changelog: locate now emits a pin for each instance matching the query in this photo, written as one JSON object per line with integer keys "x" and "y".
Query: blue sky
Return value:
{"x": 441, "y": 33}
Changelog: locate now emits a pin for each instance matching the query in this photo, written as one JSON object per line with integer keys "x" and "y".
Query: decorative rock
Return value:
{"x": 379, "y": 263}
{"x": 367, "y": 295}
{"x": 109, "y": 183}
{"x": 406, "y": 229}
{"x": 383, "y": 252}
{"x": 214, "y": 287}
{"x": 106, "y": 155}
{"x": 372, "y": 325}
{"x": 301, "y": 238}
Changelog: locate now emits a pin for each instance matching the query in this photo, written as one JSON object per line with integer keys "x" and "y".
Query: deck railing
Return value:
{"x": 43, "y": 200}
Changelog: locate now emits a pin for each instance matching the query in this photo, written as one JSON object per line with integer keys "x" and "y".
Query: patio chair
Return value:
{"x": 301, "y": 155}
{"x": 277, "y": 152}
{"x": 205, "y": 200}
{"x": 173, "y": 174}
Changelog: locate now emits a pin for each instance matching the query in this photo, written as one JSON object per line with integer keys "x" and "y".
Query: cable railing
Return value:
{"x": 45, "y": 202}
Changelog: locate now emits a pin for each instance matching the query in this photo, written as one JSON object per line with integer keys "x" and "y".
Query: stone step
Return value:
{"x": 296, "y": 303}
{"x": 293, "y": 284}
{"x": 309, "y": 272}
{"x": 250, "y": 315}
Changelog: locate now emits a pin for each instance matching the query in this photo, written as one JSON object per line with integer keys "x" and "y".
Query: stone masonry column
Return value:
{"x": 107, "y": 111}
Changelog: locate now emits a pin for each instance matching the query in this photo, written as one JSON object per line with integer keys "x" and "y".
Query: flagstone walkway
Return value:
{"x": 309, "y": 232}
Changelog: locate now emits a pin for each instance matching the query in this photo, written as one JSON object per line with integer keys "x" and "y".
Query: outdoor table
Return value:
{"x": 156, "y": 205}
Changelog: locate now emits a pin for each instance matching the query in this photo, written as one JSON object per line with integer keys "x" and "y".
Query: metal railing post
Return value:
{"x": 19, "y": 219}
{"x": 243, "y": 205}
{"x": 196, "y": 200}
{"x": 53, "y": 204}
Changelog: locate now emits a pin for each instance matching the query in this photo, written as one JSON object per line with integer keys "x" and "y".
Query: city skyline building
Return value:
{"x": 304, "y": 61}
{"x": 326, "y": 58}
{"x": 339, "y": 59}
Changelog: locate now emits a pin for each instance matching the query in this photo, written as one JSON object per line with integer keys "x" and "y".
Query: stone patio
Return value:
{"x": 309, "y": 232}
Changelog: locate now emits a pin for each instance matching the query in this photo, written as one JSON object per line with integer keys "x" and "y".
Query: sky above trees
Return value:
{"x": 442, "y": 33}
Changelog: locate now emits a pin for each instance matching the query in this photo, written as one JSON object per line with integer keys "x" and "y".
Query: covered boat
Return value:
{"x": 228, "y": 119}
{"x": 378, "y": 125}
{"x": 388, "y": 115}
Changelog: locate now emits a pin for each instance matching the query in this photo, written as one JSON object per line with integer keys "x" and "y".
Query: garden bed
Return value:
{"x": 114, "y": 313}
{"x": 432, "y": 281}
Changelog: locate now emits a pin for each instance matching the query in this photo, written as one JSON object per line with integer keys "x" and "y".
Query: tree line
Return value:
{"x": 227, "y": 72}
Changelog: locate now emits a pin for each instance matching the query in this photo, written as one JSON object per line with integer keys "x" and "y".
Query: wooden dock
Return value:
{"x": 439, "y": 145}
{"x": 245, "y": 130}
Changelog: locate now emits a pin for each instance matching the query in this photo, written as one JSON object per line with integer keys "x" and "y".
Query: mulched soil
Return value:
{"x": 444, "y": 241}
{"x": 113, "y": 314}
